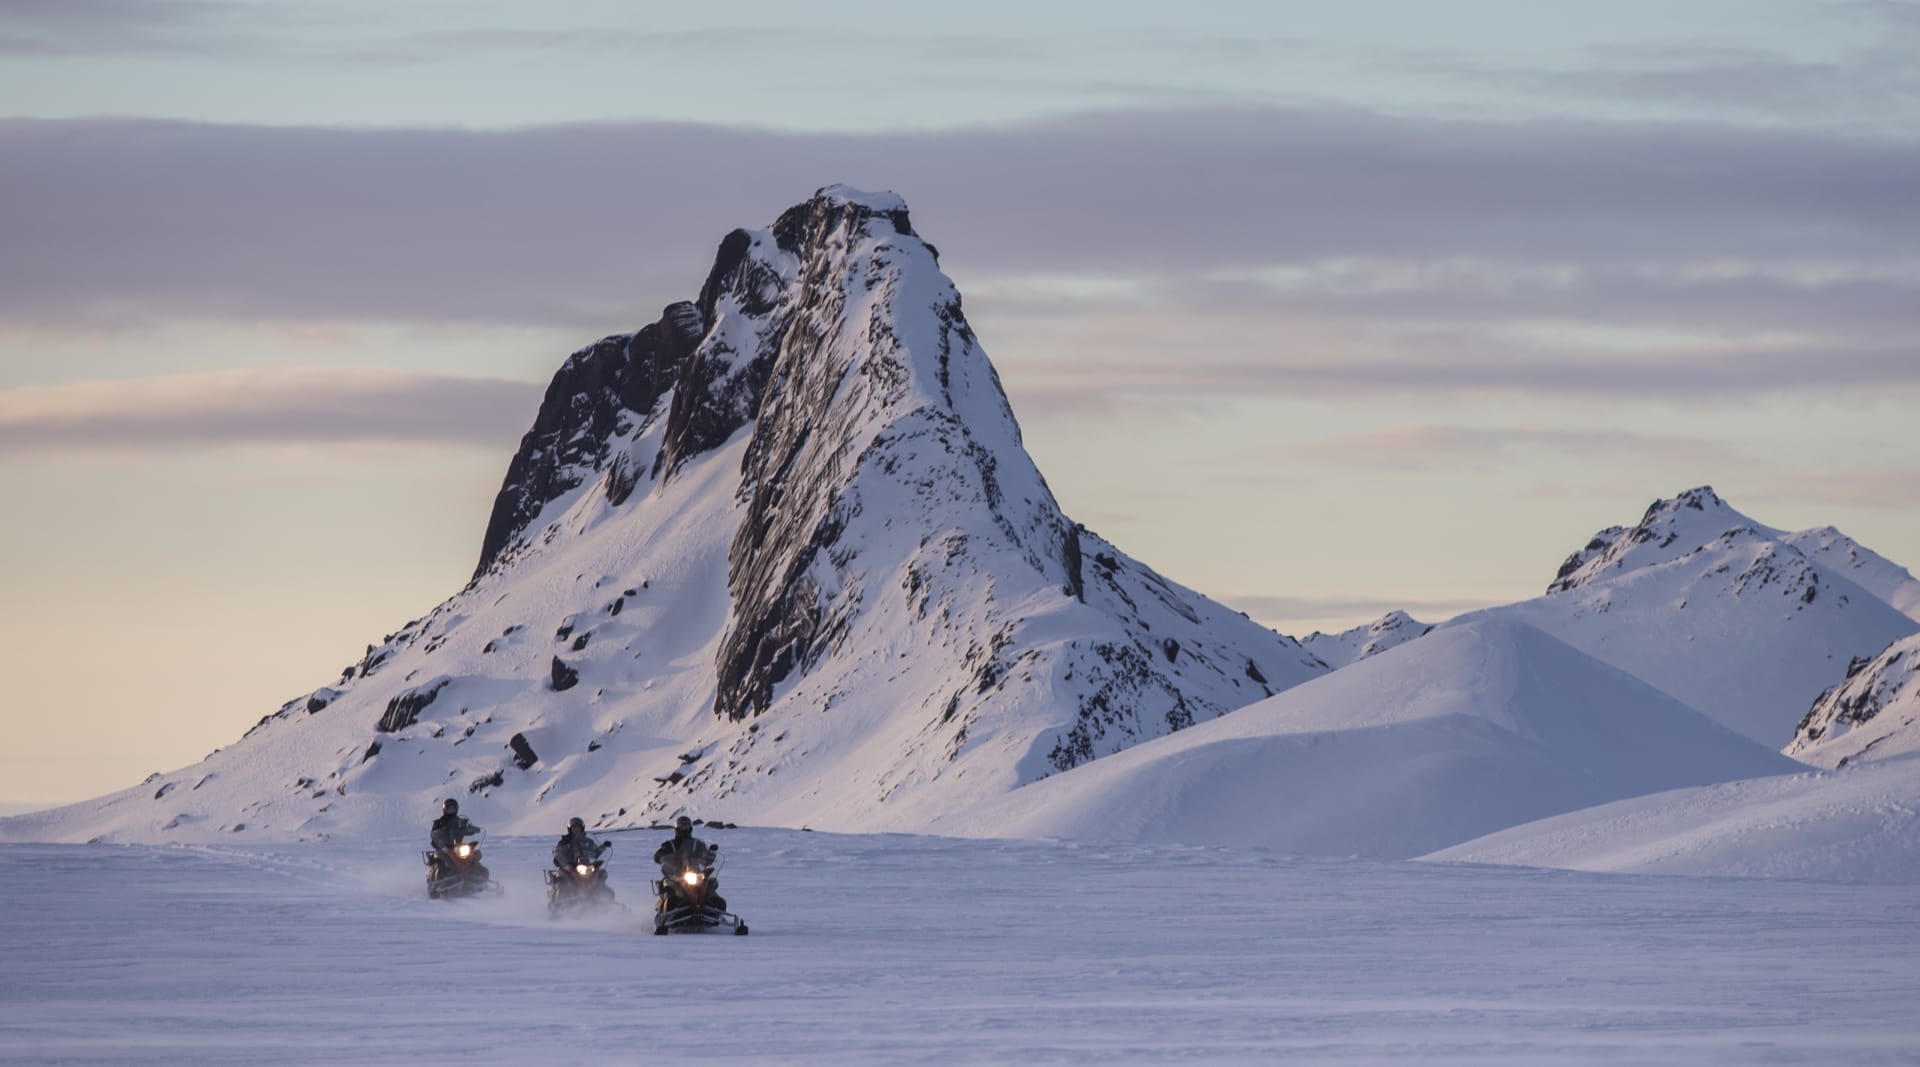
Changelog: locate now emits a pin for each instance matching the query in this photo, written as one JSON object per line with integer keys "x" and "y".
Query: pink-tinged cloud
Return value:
{"x": 254, "y": 407}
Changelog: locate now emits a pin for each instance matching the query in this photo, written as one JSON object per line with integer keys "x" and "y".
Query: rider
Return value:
{"x": 679, "y": 853}
{"x": 576, "y": 848}
{"x": 448, "y": 830}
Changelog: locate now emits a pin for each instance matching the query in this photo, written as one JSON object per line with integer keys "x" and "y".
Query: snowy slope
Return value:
{"x": 1391, "y": 630}
{"x": 1873, "y": 714}
{"x": 1860, "y": 824}
{"x": 1866, "y": 568}
{"x": 1467, "y": 730}
{"x": 904, "y": 950}
{"x": 1715, "y": 609}
{"x": 778, "y": 557}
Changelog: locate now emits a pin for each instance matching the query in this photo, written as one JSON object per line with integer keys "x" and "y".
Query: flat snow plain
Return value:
{"x": 901, "y": 949}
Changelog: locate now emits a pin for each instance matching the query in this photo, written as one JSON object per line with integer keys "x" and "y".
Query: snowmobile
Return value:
{"x": 689, "y": 900}
{"x": 458, "y": 872}
{"x": 579, "y": 889}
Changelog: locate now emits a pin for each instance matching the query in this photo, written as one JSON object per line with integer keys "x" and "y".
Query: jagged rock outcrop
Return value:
{"x": 403, "y": 710}
{"x": 597, "y": 395}
{"x": 1873, "y": 714}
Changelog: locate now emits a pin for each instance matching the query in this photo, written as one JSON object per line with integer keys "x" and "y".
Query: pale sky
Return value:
{"x": 1321, "y": 312}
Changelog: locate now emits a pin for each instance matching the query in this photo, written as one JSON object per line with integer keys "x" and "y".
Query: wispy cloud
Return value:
{"x": 113, "y": 27}
{"x": 253, "y": 407}
{"x": 572, "y": 223}
{"x": 1427, "y": 446}
{"x": 1477, "y": 364}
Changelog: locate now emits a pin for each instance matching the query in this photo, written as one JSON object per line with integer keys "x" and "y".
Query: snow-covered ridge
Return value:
{"x": 1391, "y": 630}
{"x": 1467, "y": 730}
{"x": 1866, "y": 568}
{"x": 1873, "y": 714}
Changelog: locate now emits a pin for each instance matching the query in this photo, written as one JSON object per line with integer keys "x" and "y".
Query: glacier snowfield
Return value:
{"x": 894, "y": 949}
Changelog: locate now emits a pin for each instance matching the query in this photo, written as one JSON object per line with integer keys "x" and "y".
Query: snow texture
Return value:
{"x": 905, "y": 950}
{"x": 1861, "y": 824}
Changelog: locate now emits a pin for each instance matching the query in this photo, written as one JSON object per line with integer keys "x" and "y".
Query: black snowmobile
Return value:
{"x": 457, "y": 871}
{"x": 689, "y": 900}
{"x": 580, "y": 888}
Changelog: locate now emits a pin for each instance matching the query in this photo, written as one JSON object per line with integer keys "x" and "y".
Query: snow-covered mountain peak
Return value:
{"x": 778, "y": 556}
{"x": 1723, "y": 612}
{"x": 1670, "y": 530}
{"x": 1347, "y": 647}
{"x": 879, "y": 203}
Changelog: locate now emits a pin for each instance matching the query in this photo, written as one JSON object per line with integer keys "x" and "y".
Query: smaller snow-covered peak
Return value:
{"x": 1669, "y": 530}
{"x": 1348, "y": 647}
{"x": 879, "y": 203}
{"x": 1866, "y": 568}
{"x": 1873, "y": 714}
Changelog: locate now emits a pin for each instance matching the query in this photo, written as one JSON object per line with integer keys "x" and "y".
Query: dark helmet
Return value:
{"x": 682, "y": 826}
{"x": 451, "y": 806}
{"x": 576, "y": 824}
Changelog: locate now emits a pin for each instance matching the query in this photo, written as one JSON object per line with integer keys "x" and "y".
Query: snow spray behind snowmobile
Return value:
{"x": 688, "y": 897}
{"x": 457, "y": 871}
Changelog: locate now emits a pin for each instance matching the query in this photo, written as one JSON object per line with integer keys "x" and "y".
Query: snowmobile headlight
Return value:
{"x": 582, "y": 869}
{"x": 691, "y": 877}
{"x": 463, "y": 851}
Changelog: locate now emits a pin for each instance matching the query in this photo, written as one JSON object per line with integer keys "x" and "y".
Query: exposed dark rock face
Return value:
{"x": 523, "y": 754}
{"x": 487, "y": 781}
{"x": 807, "y": 444}
{"x": 601, "y": 389}
{"x": 564, "y": 677}
{"x": 1867, "y": 700}
{"x": 404, "y": 709}
{"x": 720, "y": 390}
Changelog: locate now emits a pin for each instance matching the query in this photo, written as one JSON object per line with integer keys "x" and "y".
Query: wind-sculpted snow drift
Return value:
{"x": 779, "y": 556}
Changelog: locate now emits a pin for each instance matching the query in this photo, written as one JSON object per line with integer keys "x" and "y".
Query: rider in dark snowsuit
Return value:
{"x": 576, "y": 847}
{"x": 573, "y": 849}
{"x": 678, "y": 853}
{"x": 449, "y": 830}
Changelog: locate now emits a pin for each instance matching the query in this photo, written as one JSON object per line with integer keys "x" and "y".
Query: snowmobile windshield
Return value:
{"x": 678, "y": 865}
